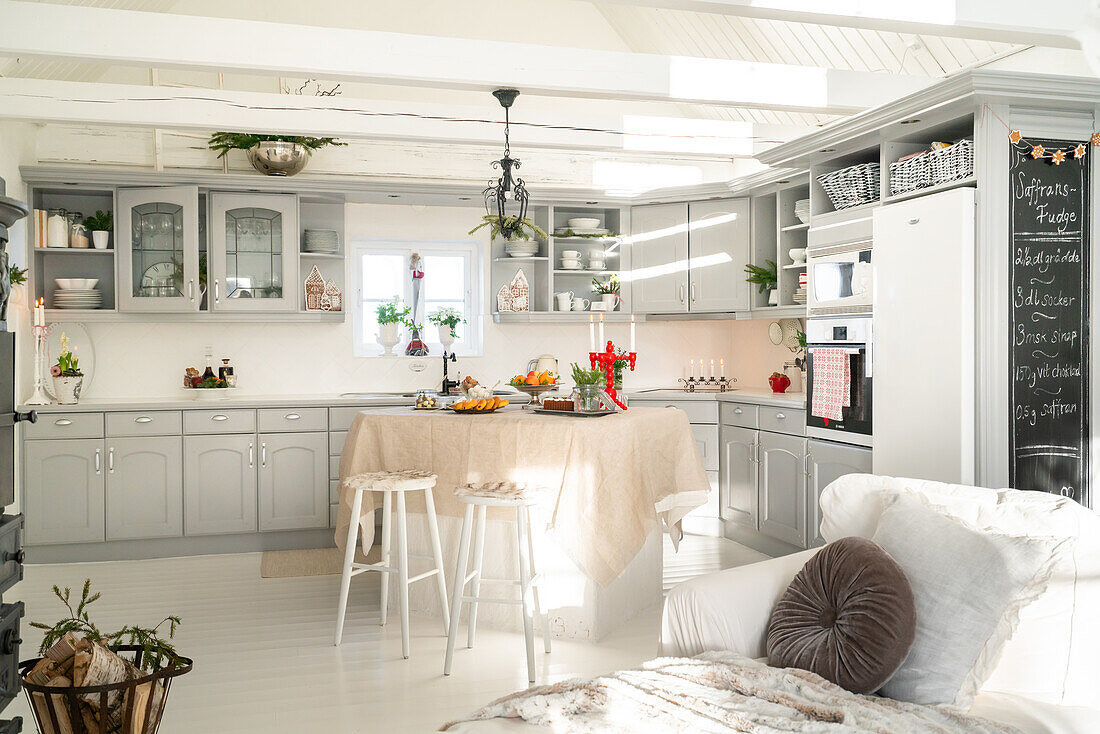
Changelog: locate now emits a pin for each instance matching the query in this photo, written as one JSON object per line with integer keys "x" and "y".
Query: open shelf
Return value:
{"x": 103, "y": 314}
{"x": 321, "y": 256}
{"x": 510, "y": 259}
{"x": 73, "y": 251}
{"x": 795, "y": 266}
{"x": 946, "y": 186}
{"x": 795, "y": 227}
{"x": 528, "y": 317}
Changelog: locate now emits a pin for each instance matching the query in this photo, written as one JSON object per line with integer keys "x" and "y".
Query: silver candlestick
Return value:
{"x": 40, "y": 397}
{"x": 709, "y": 384}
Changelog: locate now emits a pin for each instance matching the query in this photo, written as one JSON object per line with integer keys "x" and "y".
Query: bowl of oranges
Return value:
{"x": 535, "y": 383}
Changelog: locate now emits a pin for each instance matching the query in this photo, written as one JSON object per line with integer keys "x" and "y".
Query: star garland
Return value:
{"x": 1057, "y": 157}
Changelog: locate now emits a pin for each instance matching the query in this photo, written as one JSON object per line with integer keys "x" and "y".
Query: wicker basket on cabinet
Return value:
{"x": 952, "y": 163}
{"x": 910, "y": 174}
{"x": 852, "y": 186}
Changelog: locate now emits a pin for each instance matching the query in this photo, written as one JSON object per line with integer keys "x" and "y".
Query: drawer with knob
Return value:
{"x": 10, "y": 614}
{"x": 783, "y": 420}
{"x": 292, "y": 419}
{"x": 147, "y": 423}
{"x": 65, "y": 425}
{"x": 11, "y": 551}
{"x": 743, "y": 415}
{"x": 219, "y": 421}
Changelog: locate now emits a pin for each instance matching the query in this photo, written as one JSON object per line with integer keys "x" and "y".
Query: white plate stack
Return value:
{"x": 522, "y": 248}
{"x": 800, "y": 294}
{"x": 802, "y": 210}
{"x": 77, "y": 293}
{"x": 321, "y": 241}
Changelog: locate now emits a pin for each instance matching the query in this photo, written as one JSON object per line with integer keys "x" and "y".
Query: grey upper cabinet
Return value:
{"x": 253, "y": 252}
{"x": 144, "y": 487}
{"x": 63, "y": 490}
{"x": 157, "y": 238}
{"x": 219, "y": 476}
{"x": 783, "y": 487}
{"x": 718, "y": 246}
{"x": 659, "y": 258}
{"x": 829, "y": 461}
{"x": 737, "y": 475}
{"x": 293, "y": 481}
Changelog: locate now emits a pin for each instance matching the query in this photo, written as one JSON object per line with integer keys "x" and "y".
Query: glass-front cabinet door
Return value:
{"x": 254, "y": 252}
{"x": 158, "y": 249}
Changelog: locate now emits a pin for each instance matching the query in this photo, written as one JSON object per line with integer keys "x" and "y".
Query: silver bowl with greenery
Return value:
{"x": 272, "y": 155}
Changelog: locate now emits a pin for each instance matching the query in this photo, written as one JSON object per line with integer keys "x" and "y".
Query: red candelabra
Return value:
{"x": 606, "y": 360}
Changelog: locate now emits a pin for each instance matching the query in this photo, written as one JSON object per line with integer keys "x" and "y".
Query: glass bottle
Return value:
{"x": 225, "y": 372}
{"x": 57, "y": 228}
{"x": 208, "y": 373}
{"x": 78, "y": 233}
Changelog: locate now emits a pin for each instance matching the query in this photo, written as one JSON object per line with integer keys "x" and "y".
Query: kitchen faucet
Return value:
{"x": 448, "y": 384}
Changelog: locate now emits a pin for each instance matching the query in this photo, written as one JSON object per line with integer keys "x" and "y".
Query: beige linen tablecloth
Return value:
{"x": 611, "y": 480}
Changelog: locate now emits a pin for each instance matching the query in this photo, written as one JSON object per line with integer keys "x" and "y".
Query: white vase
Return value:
{"x": 388, "y": 338}
{"x": 99, "y": 239}
{"x": 610, "y": 301}
{"x": 67, "y": 389}
{"x": 445, "y": 338}
{"x": 773, "y": 297}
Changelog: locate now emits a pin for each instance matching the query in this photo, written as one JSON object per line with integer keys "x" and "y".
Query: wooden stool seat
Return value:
{"x": 394, "y": 484}
{"x": 482, "y": 495}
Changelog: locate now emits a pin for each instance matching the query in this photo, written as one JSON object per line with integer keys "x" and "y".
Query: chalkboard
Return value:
{"x": 1048, "y": 356}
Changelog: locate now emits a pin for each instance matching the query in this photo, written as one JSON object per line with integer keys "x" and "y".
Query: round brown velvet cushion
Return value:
{"x": 847, "y": 616}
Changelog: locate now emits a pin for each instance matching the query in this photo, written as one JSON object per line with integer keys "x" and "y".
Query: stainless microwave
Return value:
{"x": 839, "y": 282}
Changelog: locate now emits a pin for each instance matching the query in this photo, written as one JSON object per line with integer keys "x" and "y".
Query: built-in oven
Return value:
{"x": 838, "y": 280}
{"x": 852, "y": 338}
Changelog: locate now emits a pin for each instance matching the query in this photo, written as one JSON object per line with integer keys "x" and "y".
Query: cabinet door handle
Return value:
{"x": 693, "y": 292}
{"x": 807, "y": 461}
{"x": 216, "y": 291}
{"x": 98, "y": 461}
{"x": 111, "y": 460}
{"x": 63, "y": 422}
{"x": 143, "y": 419}
{"x": 292, "y": 416}
{"x": 263, "y": 454}
{"x": 779, "y": 416}
{"x": 737, "y": 411}
{"x": 191, "y": 289}
{"x": 681, "y": 293}
{"x": 754, "y": 452}
{"x": 219, "y": 417}
{"x": 914, "y": 220}
{"x": 251, "y": 455}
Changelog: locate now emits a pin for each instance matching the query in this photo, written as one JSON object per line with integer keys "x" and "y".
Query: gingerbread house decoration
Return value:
{"x": 504, "y": 299}
{"x": 335, "y": 298}
{"x": 520, "y": 292}
{"x": 315, "y": 290}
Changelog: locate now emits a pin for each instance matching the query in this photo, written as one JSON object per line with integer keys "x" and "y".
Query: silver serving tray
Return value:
{"x": 575, "y": 413}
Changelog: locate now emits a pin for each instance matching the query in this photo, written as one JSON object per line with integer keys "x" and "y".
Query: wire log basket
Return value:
{"x": 140, "y": 702}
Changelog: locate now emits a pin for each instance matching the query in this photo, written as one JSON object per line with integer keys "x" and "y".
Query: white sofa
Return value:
{"x": 1048, "y": 678}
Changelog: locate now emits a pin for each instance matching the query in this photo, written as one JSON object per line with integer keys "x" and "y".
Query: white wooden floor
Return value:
{"x": 264, "y": 659}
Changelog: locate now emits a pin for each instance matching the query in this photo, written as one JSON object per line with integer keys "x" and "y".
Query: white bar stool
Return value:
{"x": 395, "y": 483}
{"x": 483, "y": 496}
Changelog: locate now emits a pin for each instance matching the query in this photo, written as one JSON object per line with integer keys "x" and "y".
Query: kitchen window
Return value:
{"x": 452, "y": 279}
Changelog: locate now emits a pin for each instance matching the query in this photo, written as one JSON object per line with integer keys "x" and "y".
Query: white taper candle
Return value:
{"x": 591, "y": 333}
{"x": 632, "y": 349}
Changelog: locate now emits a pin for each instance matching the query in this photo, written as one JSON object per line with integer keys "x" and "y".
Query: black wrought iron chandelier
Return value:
{"x": 498, "y": 193}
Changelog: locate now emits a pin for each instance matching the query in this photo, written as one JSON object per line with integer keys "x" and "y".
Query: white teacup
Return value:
{"x": 571, "y": 254}
{"x": 565, "y": 300}
{"x": 595, "y": 264}
{"x": 581, "y": 304}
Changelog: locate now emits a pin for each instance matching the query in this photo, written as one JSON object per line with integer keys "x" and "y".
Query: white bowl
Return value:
{"x": 584, "y": 223}
{"x": 67, "y": 284}
{"x": 798, "y": 254}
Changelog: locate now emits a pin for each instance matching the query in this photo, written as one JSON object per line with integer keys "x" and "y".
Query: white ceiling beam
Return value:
{"x": 1052, "y": 23}
{"x": 179, "y": 108}
{"x": 109, "y": 36}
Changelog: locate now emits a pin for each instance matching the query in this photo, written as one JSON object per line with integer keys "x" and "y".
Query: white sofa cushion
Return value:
{"x": 1052, "y": 655}
{"x": 969, "y": 585}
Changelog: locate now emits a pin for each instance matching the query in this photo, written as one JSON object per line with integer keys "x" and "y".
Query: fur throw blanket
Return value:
{"x": 721, "y": 692}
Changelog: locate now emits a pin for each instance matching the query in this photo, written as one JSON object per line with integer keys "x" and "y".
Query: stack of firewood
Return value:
{"x": 78, "y": 663}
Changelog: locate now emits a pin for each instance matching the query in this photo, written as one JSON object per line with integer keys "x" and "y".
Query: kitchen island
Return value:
{"x": 613, "y": 484}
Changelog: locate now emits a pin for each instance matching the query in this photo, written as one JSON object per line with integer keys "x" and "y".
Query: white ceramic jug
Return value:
{"x": 543, "y": 363}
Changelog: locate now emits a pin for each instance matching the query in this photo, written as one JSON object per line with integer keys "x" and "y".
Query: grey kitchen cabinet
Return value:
{"x": 144, "y": 491}
{"x": 219, "y": 478}
{"x": 706, "y": 439}
{"x": 254, "y": 252}
{"x": 293, "y": 481}
{"x": 828, "y": 461}
{"x": 782, "y": 496}
{"x": 737, "y": 475}
{"x": 158, "y": 249}
{"x": 659, "y": 258}
{"x": 718, "y": 250}
{"x": 63, "y": 491}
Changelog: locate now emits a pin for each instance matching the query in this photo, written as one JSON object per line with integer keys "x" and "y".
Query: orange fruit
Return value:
{"x": 532, "y": 380}
{"x": 532, "y": 375}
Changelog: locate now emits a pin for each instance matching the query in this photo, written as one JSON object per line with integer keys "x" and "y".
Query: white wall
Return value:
{"x": 147, "y": 359}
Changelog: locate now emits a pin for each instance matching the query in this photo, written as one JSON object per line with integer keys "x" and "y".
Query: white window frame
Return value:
{"x": 471, "y": 345}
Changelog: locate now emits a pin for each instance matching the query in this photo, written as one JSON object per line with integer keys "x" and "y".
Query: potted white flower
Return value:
{"x": 447, "y": 319}
{"x": 67, "y": 377}
{"x": 390, "y": 317}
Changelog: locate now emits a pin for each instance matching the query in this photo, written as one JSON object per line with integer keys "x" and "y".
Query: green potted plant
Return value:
{"x": 390, "y": 316}
{"x": 447, "y": 319}
{"x": 67, "y": 377}
{"x": 100, "y": 225}
{"x": 522, "y": 229}
{"x": 273, "y": 155}
{"x": 608, "y": 291}
{"x": 589, "y": 385}
{"x": 766, "y": 278}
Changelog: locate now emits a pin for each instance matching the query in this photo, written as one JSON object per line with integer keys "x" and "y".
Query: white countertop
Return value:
{"x": 755, "y": 395}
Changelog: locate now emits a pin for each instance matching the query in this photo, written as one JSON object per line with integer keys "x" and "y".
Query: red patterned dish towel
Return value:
{"x": 832, "y": 383}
